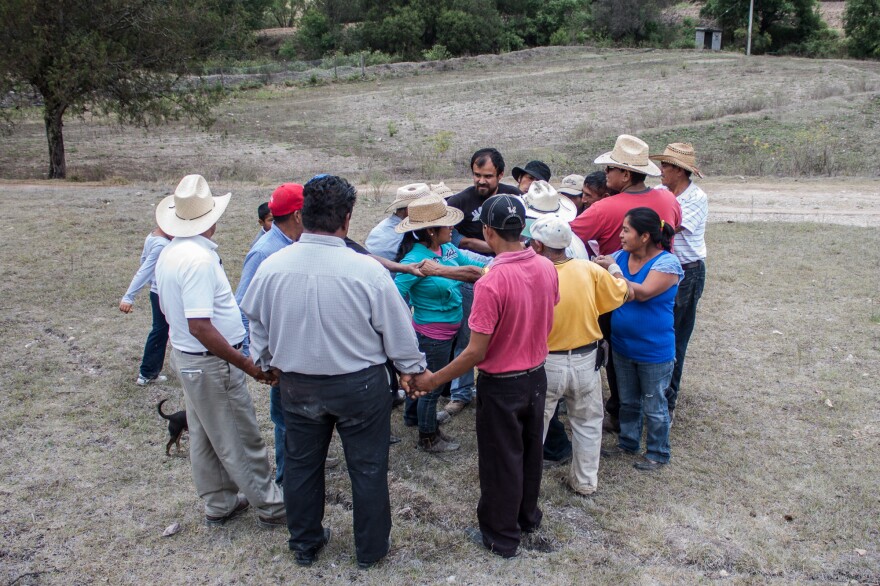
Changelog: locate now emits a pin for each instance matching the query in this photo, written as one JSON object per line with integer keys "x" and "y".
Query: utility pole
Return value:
{"x": 751, "y": 16}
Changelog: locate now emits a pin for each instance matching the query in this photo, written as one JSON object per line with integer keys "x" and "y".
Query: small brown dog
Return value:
{"x": 176, "y": 426}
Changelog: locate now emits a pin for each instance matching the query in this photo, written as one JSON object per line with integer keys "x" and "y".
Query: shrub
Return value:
{"x": 315, "y": 36}
{"x": 436, "y": 53}
{"x": 461, "y": 32}
{"x": 861, "y": 21}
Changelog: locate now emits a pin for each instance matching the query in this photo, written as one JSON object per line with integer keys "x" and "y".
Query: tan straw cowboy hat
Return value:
{"x": 629, "y": 153}
{"x": 542, "y": 199}
{"x": 430, "y": 211}
{"x": 407, "y": 194}
{"x": 572, "y": 185}
{"x": 680, "y": 154}
{"x": 192, "y": 209}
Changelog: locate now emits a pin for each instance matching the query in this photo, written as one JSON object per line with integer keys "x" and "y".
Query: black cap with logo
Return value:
{"x": 503, "y": 212}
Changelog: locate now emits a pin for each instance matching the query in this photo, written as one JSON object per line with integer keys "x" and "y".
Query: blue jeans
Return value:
{"x": 463, "y": 387}
{"x": 276, "y": 413}
{"x": 689, "y": 292}
{"x": 157, "y": 340}
{"x": 437, "y": 354}
{"x": 642, "y": 387}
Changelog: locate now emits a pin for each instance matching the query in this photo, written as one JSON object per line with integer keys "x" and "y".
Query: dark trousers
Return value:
{"x": 358, "y": 405}
{"x": 157, "y": 340}
{"x": 510, "y": 421}
{"x": 557, "y": 446}
{"x": 612, "y": 405}
{"x": 689, "y": 292}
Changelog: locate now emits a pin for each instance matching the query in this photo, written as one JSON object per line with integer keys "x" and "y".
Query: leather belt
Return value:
{"x": 691, "y": 265}
{"x": 581, "y": 350}
{"x": 510, "y": 374}
{"x": 206, "y": 353}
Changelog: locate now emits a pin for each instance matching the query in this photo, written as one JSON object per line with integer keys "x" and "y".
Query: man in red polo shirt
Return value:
{"x": 509, "y": 328}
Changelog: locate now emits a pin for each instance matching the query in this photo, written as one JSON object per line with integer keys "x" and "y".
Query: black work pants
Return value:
{"x": 510, "y": 422}
{"x": 358, "y": 405}
{"x": 612, "y": 405}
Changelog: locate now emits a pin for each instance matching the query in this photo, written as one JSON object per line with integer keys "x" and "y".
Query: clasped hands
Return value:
{"x": 418, "y": 385}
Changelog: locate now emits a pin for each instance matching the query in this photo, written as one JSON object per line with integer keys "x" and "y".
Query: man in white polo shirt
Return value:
{"x": 227, "y": 453}
{"x": 677, "y": 164}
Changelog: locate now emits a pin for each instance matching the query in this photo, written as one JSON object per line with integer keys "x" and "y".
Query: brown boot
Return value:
{"x": 434, "y": 443}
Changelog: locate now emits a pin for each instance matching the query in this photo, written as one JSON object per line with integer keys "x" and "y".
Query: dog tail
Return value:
{"x": 159, "y": 408}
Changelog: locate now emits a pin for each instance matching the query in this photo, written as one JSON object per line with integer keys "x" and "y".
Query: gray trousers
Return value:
{"x": 226, "y": 451}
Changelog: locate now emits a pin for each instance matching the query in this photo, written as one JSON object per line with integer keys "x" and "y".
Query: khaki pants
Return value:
{"x": 575, "y": 377}
{"x": 227, "y": 452}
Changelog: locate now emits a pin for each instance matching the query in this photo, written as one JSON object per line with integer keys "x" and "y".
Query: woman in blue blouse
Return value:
{"x": 436, "y": 302}
{"x": 643, "y": 334}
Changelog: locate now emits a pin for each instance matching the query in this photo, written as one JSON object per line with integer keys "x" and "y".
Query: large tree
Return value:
{"x": 776, "y": 22}
{"x": 125, "y": 57}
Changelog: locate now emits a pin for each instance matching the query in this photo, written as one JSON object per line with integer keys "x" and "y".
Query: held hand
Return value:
{"x": 405, "y": 381}
{"x": 430, "y": 268}
{"x": 421, "y": 384}
{"x": 125, "y": 307}
{"x": 604, "y": 261}
{"x": 415, "y": 269}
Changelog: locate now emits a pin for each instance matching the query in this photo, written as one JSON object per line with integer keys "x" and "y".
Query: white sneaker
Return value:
{"x": 141, "y": 381}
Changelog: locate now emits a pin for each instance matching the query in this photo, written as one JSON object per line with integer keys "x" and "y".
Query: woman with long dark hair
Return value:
{"x": 436, "y": 302}
{"x": 643, "y": 334}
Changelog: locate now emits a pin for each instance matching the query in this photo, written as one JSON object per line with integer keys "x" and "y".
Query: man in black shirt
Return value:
{"x": 487, "y": 166}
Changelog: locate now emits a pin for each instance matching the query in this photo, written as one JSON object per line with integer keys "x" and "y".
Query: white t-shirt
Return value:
{"x": 193, "y": 284}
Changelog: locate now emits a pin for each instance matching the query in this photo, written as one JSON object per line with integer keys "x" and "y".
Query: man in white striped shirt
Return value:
{"x": 677, "y": 164}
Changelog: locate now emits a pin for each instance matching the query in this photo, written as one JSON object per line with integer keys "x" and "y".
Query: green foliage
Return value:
{"x": 861, "y": 21}
{"x": 399, "y": 32}
{"x": 635, "y": 20}
{"x": 463, "y": 33}
{"x": 436, "y": 53}
{"x": 315, "y": 36}
{"x": 777, "y": 23}
{"x": 284, "y": 13}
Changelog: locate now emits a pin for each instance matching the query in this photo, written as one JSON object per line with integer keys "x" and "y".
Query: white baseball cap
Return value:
{"x": 552, "y": 231}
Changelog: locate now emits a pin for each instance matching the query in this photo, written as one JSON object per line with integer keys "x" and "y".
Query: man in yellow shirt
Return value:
{"x": 586, "y": 290}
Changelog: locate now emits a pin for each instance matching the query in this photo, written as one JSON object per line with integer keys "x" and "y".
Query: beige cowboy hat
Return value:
{"x": 407, "y": 194}
{"x": 192, "y": 209}
{"x": 629, "y": 153}
{"x": 430, "y": 211}
{"x": 442, "y": 190}
{"x": 680, "y": 154}
{"x": 542, "y": 199}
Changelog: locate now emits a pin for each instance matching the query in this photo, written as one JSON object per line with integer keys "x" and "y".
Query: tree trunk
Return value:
{"x": 53, "y": 114}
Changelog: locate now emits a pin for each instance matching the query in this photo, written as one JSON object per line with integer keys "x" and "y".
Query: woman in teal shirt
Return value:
{"x": 436, "y": 303}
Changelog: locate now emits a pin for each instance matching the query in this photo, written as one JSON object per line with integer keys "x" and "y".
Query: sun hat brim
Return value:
{"x": 650, "y": 169}
{"x": 570, "y": 191}
{"x": 166, "y": 217}
{"x": 567, "y": 210}
{"x": 452, "y": 217}
{"x": 677, "y": 163}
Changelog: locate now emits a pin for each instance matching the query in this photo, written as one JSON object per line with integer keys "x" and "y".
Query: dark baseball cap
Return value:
{"x": 503, "y": 212}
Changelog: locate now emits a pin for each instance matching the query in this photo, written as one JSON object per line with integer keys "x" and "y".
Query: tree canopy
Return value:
{"x": 124, "y": 57}
{"x": 777, "y": 23}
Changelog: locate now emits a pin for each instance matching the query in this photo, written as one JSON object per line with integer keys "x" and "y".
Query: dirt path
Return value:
{"x": 843, "y": 201}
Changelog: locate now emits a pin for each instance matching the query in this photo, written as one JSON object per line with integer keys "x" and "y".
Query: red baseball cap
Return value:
{"x": 286, "y": 199}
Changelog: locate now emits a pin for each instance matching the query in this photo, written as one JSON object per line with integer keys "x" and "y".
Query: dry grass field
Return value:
{"x": 776, "y": 445}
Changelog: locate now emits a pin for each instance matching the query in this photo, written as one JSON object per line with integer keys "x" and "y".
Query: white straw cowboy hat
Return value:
{"x": 192, "y": 209}
{"x": 630, "y": 153}
{"x": 680, "y": 154}
{"x": 441, "y": 189}
{"x": 430, "y": 211}
{"x": 407, "y": 194}
{"x": 542, "y": 199}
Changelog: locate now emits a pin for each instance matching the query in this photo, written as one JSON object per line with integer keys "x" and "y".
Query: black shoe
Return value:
{"x": 393, "y": 439}
{"x": 308, "y": 557}
{"x": 646, "y": 465}
{"x": 476, "y": 536}
{"x": 241, "y": 505}
{"x": 556, "y": 463}
{"x": 617, "y": 451}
